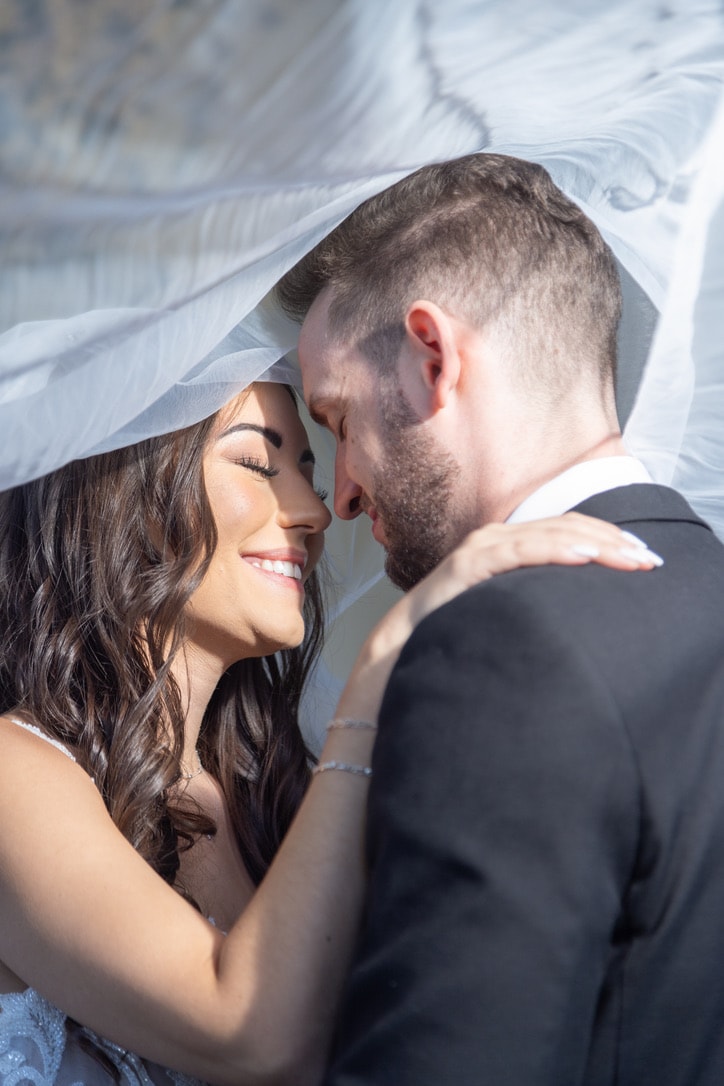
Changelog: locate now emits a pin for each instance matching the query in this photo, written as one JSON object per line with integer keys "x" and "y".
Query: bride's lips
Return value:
{"x": 285, "y": 567}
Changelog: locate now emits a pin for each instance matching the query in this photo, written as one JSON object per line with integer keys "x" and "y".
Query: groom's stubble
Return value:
{"x": 413, "y": 495}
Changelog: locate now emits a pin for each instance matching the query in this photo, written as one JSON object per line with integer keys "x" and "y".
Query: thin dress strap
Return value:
{"x": 41, "y": 735}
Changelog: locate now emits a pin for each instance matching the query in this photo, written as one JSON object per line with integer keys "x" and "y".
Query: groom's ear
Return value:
{"x": 432, "y": 358}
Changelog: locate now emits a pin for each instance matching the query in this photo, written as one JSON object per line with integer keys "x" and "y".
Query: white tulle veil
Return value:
{"x": 163, "y": 162}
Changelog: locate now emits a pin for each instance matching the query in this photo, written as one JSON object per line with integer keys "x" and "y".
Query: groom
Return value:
{"x": 546, "y": 820}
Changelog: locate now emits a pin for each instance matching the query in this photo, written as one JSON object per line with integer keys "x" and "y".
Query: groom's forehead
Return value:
{"x": 330, "y": 389}
{"x": 315, "y": 338}
{"x": 325, "y": 358}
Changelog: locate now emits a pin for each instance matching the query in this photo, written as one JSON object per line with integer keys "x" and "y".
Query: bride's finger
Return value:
{"x": 573, "y": 539}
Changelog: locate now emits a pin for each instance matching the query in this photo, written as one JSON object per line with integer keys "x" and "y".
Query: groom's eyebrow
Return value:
{"x": 317, "y": 413}
{"x": 319, "y": 410}
{"x": 272, "y": 436}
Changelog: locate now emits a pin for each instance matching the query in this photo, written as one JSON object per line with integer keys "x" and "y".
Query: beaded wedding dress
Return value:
{"x": 37, "y": 1049}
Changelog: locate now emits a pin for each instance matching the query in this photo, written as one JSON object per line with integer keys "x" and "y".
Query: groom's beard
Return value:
{"x": 413, "y": 495}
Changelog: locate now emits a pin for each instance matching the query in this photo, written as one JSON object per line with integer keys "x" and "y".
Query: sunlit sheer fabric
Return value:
{"x": 162, "y": 163}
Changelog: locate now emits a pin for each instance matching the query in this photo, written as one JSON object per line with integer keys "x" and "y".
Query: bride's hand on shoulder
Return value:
{"x": 571, "y": 539}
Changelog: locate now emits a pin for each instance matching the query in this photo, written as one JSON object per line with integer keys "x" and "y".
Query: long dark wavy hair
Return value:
{"x": 97, "y": 562}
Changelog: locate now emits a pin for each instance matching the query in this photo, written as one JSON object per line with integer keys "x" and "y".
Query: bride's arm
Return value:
{"x": 85, "y": 919}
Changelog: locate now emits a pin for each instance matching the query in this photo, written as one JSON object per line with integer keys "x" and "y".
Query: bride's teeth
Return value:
{"x": 288, "y": 569}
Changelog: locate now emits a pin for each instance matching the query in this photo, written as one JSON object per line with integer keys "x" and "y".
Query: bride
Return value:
{"x": 164, "y": 888}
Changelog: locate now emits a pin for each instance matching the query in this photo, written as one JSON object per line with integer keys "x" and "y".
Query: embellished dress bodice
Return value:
{"x": 37, "y": 1049}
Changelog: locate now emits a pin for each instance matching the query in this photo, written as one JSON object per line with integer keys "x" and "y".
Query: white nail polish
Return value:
{"x": 586, "y": 550}
{"x": 641, "y": 555}
{"x": 634, "y": 539}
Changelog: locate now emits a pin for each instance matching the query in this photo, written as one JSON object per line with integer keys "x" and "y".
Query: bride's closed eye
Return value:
{"x": 253, "y": 463}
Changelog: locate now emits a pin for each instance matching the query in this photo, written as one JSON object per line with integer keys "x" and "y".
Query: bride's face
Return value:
{"x": 258, "y": 472}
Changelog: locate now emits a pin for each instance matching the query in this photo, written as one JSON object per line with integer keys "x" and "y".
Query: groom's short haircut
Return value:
{"x": 491, "y": 240}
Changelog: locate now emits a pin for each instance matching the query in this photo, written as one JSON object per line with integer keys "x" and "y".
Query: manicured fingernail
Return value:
{"x": 641, "y": 555}
{"x": 634, "y": 539}
{"x": 586, "y": 550}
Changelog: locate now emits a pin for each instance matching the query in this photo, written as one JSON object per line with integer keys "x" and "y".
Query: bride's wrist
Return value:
{"x": 362, "y": 694}
{"x": 390, "y": 633}
{"x": 342, "y": 723}
{"x": 349, "y": 745}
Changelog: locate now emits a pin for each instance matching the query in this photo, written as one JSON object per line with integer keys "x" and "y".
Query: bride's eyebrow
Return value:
{"x": 272, "y": 436}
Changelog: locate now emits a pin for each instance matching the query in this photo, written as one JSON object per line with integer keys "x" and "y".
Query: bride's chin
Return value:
{"x": 268, "y": 642}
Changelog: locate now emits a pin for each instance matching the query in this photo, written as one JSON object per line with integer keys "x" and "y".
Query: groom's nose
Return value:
{"x": 347, "y": 493}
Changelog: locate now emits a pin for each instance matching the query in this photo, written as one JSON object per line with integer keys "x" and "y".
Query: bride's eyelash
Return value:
{"x": 254, "y": 464}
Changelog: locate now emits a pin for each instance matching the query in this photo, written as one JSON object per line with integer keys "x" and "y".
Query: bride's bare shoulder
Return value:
{"x": 14, "y": 723}
{"x": 34, "y": 763}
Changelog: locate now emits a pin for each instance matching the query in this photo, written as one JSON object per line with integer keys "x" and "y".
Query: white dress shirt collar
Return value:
{"x": 576, "y": 484}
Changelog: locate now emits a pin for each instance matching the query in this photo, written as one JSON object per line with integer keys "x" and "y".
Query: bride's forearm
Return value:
{"x": 302, "y": 923}
{"x": 296, "y": 935}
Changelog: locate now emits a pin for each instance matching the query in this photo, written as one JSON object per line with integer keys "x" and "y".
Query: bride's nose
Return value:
{"x": 301, "y": 506}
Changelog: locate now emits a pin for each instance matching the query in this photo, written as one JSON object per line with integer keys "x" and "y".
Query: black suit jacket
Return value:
{"x": 546, "y": 830}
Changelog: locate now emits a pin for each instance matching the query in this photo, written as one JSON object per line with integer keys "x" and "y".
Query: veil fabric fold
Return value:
{"x": 163, "y": 163}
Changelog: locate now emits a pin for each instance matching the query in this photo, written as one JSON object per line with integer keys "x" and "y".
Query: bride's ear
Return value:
{"x": 433, "y": 360}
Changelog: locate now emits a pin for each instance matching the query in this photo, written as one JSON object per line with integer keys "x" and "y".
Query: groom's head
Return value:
{"x": 459, "y": 340}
